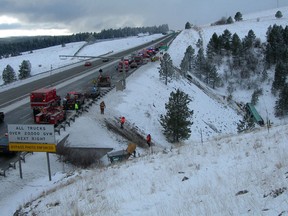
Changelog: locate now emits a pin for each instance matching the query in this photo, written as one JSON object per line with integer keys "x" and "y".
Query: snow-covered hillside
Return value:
{"x": 259, "y": 23}
{"x": 225, "y": 173}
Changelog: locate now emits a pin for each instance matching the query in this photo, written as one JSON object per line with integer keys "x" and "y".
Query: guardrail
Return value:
{"x": 79, "y": 112}
{"x": 63, "y": 125}
{"x": 12, "y": 164}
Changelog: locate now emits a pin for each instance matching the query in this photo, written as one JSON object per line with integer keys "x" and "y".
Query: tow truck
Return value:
{"x": 43, "y": 97}
{"x": 51, "y": 115}
{"x": 46, "y": 105}
{"x": 103, "y": 81}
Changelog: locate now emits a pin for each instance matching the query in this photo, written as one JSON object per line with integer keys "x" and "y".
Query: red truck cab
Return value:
{"x": 44, "y": 97}
{"x": 126, "y": 66}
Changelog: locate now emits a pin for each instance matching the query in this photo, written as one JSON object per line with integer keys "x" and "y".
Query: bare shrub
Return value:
{"x": 257, "y": 145}
{"x": 78, "y": 157}
{"x": 279, "y": 165}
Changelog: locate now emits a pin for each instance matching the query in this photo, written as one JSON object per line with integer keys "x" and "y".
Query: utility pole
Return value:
{"x": 51, "y": 69}
{"x": 267, "y": 121}
{"x": 124, "y": 73}
{"x": 201, "y": 136}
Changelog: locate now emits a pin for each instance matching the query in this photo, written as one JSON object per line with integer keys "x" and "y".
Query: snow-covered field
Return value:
{"x": 41, "y": 63}
{"x": 226, "y": 174}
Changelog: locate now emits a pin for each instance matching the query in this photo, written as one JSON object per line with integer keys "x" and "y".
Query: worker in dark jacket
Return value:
{"x": 102, "y": 107}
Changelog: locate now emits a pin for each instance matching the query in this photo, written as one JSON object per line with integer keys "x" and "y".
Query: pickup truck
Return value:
{"x": 103, "y": 81}
{"x": 71, "y": 98}
{"x": 2, "y": 116}
{"x": 93, "y": 93}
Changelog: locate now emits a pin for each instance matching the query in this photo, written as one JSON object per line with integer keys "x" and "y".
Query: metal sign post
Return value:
{"x": 124, "y": 73}
{"x": 48, "y": 162}
{"x": 32, "y": 138}
{"x": 20, "y": 167}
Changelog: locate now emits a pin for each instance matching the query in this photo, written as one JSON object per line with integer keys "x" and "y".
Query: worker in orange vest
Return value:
{"x": 122, "y": 121}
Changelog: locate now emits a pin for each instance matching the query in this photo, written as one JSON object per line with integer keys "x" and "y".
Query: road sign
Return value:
{"x": 40, "y": 133}
{"x": 32, "y": 147}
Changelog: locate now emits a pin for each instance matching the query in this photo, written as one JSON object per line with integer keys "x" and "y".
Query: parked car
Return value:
{"x": 88, "y": 63}
{"x": 4, "y": 146}
{"x": 133, "y": 65}
{"x": 93, "y": 92}
{"x": 105, "y": 59}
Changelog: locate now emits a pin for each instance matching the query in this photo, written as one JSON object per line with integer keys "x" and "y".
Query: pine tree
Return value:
{"x": 238, "y": 17}
{"x": 166, "y": 68}
{"x": 264, "y": 75}
{"x": 276, "y": 47}
{"x": 213, "y": 50}
{"x": 285, "y": 35}
{"x": 281, "y": 107}
{"x": 249, "y": 40}
{"x": 251, "y": 61}
{"x": 212, "y": 77}
{"x": 24, "y": 70}
{"x": 8, "y": 75}
{"x": 281, "y": 71}
{"x": 199, "y": 43}
{"x": 255, "y": 96}
{"x": 200, "y": 62}
{"x": 278, "y": 14}
{"x": 176, "y": 123}
{"x": 236, "y": 51}
{"x": 187, "y": 63}
{"x": 213, "y": 44}
{"x": 188, "y": 25}
{"x": 229, "y": 20}
{"x": 226, "y": 39}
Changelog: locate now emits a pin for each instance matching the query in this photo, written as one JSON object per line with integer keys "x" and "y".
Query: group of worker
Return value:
{"x": 131, "y": 149}
{"x": 122, "y": 121}
{"x": 102, "y": 107}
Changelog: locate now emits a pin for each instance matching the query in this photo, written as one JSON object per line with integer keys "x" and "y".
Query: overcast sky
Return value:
{"x": 54, "y": 17}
